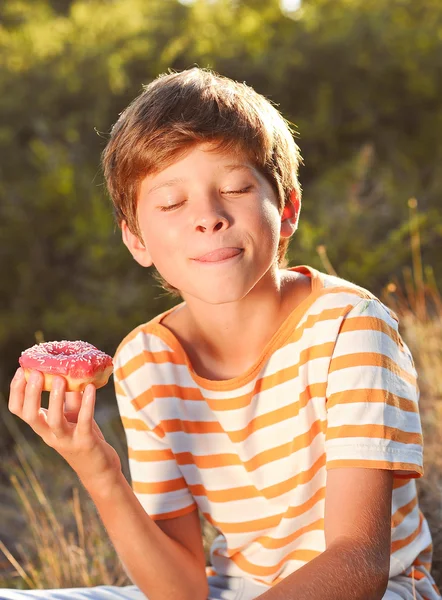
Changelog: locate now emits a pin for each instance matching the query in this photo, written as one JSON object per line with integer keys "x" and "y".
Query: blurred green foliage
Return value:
{"x": 359, "y": 78}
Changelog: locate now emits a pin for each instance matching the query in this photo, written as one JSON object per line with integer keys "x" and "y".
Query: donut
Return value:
{"x": 78, "y": 362}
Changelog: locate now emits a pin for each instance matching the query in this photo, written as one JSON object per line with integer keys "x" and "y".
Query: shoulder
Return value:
{"x": 354, "y": 299}
{"x": 141, "y": 339}
{"x": 333, "y": 284}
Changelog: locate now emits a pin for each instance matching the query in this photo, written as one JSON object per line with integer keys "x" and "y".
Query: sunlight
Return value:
{"x": 290, "y": 5}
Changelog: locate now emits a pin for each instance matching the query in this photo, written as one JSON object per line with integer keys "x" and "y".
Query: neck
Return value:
{"x": 234, "y": 333}
{"x": 225, "y": 340}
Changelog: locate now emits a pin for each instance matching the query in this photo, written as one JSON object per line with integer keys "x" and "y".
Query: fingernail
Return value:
{"x": 19, "y": 374}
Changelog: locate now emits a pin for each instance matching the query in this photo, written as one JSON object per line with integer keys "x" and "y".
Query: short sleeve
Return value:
{"x": 372, "y": 396}
{"x": 157, "y": 481}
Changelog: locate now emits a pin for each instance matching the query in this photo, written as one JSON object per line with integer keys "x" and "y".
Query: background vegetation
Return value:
{"x": 361, "y": 81}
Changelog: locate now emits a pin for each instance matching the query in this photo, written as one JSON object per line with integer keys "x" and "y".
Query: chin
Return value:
{"x": 215, "y": 296}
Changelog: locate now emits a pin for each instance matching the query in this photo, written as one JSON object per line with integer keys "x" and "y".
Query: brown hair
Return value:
{"x": 179, "y": 110}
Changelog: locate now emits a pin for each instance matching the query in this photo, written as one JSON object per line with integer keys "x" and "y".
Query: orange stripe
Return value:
{"x": 399, "y": 483}
{"x": 143, "y": 358}
{"x": 398, "y": 544}
{"x": 167, "y": 391}
{"x": 372, "y": 395}
{"x": 209, "y": 461}
{"x": 197, "y": 427}
{"x": 383, "y": 432}
{"x": 370, "y": 323}
{"x": 134, "y": 363}
{"x": 401, "y": 514}
{"x": 428, "y": 549}
{"x": 174, "y": 513}
{"x": 136, "y": 424}
{"x": 159, "y": 487}
{"x": 416, "y": 574}
{"x": 417, "y": 471}
{"x": 129, "y": 337}
{"x": 143, "y": 399}
{"x": 118, "y": 389}
{"x": 150, "y": 455}
{"x": 370, "y": 359}
{"x": 140, "y": 425}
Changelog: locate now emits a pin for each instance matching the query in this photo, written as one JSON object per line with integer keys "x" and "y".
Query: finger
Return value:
{"x": 55, "y": 416}
{"x": 17, "y": 392}
{"x": 73, "y": 401}
{"x": 32, "y": 401}
{"x": 86, "y": 414}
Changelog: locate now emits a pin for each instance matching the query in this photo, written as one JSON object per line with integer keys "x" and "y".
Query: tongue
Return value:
{"x": 220, "y": 254}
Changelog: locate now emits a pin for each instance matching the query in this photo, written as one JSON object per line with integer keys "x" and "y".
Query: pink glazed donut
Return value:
{"x": 78, "y": 362}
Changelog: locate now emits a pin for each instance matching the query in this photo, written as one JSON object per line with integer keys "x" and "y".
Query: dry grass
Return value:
{"x": 423, "y": 335}
{"x": 64, "y": 543}
{"x": 61, "y": 541}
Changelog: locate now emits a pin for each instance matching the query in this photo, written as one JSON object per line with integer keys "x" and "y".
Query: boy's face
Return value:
{"x": 201, "y": 203}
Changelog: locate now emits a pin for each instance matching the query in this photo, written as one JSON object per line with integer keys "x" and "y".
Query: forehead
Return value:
{"x": 180, "y": 168}
{"x": 208, "y": 152}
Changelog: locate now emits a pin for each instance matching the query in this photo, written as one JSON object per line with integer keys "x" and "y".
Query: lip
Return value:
{"x": 220, "y": 255}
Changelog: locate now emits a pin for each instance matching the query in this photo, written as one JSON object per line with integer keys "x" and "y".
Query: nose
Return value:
{"x": 211, "y": 217}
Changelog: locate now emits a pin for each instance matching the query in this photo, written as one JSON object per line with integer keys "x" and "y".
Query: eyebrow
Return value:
{"x": 228, "y": 168}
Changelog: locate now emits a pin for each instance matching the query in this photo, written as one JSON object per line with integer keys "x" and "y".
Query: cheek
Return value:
{"x": 163, "y": 241}
{"x": 270, "y": 221}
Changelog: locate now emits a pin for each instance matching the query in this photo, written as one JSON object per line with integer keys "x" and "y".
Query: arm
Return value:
{"x": 342, "y": 571}
{"x": 163, "y": 568}
{"x": 357, "y": 524}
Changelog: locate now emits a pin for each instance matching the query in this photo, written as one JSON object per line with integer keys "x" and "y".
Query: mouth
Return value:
{"x": 220, "y": 255}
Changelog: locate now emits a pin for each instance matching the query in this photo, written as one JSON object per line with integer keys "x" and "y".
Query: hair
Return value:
{"x": 180, "y": 110}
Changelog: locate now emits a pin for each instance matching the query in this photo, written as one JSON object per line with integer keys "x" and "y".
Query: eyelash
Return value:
{"x": 172, "y": 206}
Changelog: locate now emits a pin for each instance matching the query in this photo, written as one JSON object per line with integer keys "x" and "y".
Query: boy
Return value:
{"x": 281, "y": 402}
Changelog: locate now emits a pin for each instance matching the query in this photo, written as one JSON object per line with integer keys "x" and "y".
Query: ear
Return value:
{"x": 290, "y": 215}
{"x": 136, "y": 246}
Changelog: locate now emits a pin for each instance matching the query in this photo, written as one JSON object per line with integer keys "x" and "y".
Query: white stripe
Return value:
{"x": 369, "y": 377}
{"x": 373, "y": 449}
{"x": 374, "y": 413}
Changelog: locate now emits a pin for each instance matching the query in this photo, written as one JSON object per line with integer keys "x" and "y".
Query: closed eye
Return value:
{"x": 245, "y": 190}
{"x": 172, "y": 206}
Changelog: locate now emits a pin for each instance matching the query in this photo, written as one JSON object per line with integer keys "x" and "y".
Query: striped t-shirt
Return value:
{"x": 334, "y": 387}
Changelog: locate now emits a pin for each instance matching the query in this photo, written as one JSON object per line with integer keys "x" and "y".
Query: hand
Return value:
{"x": 74, "y": 434}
